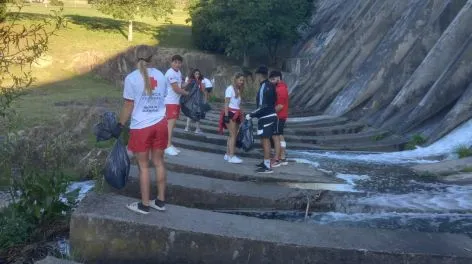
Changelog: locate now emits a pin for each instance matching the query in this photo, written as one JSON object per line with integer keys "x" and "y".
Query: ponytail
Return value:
{"x": 142, "y": 66}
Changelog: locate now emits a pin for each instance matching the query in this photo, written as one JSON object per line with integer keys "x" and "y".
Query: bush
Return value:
{"x": 416, "y": 140}
{"x": 463, "y": 151}
{"x": 3, "y": 12}
{"x": 56, "y": 3}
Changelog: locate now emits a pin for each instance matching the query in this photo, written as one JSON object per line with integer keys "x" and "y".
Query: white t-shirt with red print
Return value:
{"x": 148, "y": 109}
{"x": 173, "y": 76}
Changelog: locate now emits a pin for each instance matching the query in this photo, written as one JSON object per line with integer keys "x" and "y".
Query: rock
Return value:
{"x": 460, "y": 178}
{"x": 446, "y": 167}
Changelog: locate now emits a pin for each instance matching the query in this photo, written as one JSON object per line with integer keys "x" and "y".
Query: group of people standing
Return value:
{"x": 271, "y": 112}
{"x": 152, "y": 103}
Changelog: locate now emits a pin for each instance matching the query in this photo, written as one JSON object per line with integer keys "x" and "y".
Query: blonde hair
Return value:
{"x": 237, "y": 90}
{"x": 143, "y": 55}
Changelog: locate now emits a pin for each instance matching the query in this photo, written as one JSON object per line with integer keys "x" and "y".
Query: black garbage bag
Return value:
{"x": 117, "y": 164}
{"x": 245, "y": 138}
{"x": 194, "y": 105}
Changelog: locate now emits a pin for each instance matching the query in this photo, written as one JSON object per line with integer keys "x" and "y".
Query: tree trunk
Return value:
{"x": 245, "y": 60}
{"x": 130, "y": 31}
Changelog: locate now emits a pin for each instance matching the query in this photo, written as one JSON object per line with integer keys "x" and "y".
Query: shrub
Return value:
{"x": 463, "y": 151}
{"x": 416, "y": 140}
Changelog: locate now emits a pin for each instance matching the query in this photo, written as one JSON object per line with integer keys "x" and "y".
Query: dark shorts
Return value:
{"x": 209, "y": 89}
{"x": 266, "y": 126}
{"x": 279, "y": 127}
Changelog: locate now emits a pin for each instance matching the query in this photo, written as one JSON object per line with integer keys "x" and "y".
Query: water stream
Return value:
{"x": 393, "y": 197}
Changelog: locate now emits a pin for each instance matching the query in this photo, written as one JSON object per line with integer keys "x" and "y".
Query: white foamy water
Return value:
{"x": 461, "y": 136}
{"x": 352, "y": 178}
{"x": 447, "y": 198}
{"x": 83, "y": 187}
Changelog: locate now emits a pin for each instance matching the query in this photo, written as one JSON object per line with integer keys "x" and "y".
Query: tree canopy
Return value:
{"x": 20, "y": 46}
{"x": 131, "y": 9}
{"x": 236, "y": 26}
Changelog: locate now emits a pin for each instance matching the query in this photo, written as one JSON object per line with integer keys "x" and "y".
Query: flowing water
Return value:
{"x": 392, "y": 196}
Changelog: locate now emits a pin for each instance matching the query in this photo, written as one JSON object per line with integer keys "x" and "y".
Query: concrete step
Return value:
{"x": 210, "y": 193}
{"x": 103, "y": 230}
{"x": 349, "y": 128}
{"x": 214, "y": 166}
{"x": 217, "y": 144}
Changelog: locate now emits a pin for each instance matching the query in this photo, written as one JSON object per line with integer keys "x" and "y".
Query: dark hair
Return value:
{"x": 192, "y": 74}
{"x": 275, "y": 74}
{"x": 177, "y": 58}
{"x": 263, "y": 70}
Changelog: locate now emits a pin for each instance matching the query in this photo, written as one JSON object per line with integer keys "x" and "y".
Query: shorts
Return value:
{"x": 172, "y": 111}
{"x": 266, "y": 126}
{"x": 279, "y": 127}
{"x": 209, "y": 89}
{"x": 152, "y": 137}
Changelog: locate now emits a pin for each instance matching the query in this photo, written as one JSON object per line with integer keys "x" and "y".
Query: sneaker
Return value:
{"x": 198, "y": 132}
{"x": 261, "y": 165}
{"x": 275, "y": 163}
{"x": 264, "y": 170}
{"x": 138, "y": 207}
{"x": 284, "y": 162}
{"x": 176, "y": 149}
{"x": 171, "y": 151}
{"x": 235, "y": 160}
{"x": 158, "y": 205}
{"x": 186, "y": 129}
{"x": 226, "y": 157}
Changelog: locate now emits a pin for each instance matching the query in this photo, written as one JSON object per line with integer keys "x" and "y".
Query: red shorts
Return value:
{"x": 153, "y": 137}
{"x": 172, "y": 111}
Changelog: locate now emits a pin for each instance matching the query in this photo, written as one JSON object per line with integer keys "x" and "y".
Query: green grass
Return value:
{"x": 467, "y": 169}
{"x": 463, "y": 151}
{"x": 87, "y": 31}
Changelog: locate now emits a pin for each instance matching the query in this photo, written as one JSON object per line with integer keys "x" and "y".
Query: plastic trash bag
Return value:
{"x": 245, "y": 138}
{"x": 117, "y": 164}
{"x": 193, "y": 105}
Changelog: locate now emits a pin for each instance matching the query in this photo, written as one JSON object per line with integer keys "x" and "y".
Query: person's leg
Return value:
{"x": 266, "y": 147}
{"x": 187, "y": 127}
{"x": 172, "y": 114}
{"x": 277, "y": 148}
{"x": 171, "y": 124}
{"x": 233, "y": 131}
{"x": 144, "y": 184}
{"x": 161, "y": 177}
{"x": 139, "y": 143}
{"x": 283, "y": 146}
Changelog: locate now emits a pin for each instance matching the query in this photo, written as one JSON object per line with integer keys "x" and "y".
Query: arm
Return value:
{"x": 126, "y": 111}
{"x": 227, "y": 105}
{"x": 279, "y": 107}
{"x": 178, "y": 90}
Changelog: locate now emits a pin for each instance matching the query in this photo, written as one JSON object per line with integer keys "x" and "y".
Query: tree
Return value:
{"x": 283, "y": 22}
{"x": 131, "y": 9}
{"x": 20, "y": 46}
{"x": 240, "y": 25}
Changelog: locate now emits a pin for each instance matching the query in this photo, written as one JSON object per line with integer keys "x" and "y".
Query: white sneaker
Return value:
{"x": 226, "y": 157}
{"x": 171, "y": 151}
{"x": 235, "y": 160}
{"x": 176, "y": 149}
{"x": 136, "y": 207}
{"x": 158, "y": 205}
{"x": 198, "y": 132}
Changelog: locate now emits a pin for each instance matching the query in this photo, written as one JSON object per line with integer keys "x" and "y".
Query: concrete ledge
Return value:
{"x": 207, "y": 193}
{"x": 214, "y": 166}
{"x": 102, "y": 230}
{"x": 53, "y": 260}
{"x": 443, "y": 168}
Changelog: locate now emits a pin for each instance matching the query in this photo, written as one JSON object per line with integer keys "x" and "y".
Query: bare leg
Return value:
{"x": 233, "y": 130}
{"x": 187, "y": 127}
{"x": 282, "y": 149}
{"x": 197, "y": 126}
{"x": 144, "y": 184}
{"x": 161, "y": 177}
{"x": 266, "y": 147}
{"x": 277, "y": 147}
{"x": 170, "y": 127}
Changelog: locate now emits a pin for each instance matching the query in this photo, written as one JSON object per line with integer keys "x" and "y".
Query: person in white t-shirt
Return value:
{"x": 208, "y": 88}
{"x": 144, "y": 93}
{"x": 172, "y": 100}
{"x": 231, "y": 116}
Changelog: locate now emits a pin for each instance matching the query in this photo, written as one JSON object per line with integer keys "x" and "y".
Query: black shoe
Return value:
{"x": 158, "y": 205}
{"x": 264, "y": 170}
{"x": 261, "y": 165}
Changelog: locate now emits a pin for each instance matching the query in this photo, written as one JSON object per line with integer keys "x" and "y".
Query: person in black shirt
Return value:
{"x": 266, "y": 115}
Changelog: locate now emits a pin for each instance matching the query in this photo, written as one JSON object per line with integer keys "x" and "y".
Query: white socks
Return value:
{"x": 267, "y": 163}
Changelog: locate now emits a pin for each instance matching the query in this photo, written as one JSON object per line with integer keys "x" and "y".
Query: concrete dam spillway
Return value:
{"x": 403, "y": 66}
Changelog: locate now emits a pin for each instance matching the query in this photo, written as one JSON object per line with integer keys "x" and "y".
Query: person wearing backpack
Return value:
{"x": 144, "y": 93}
